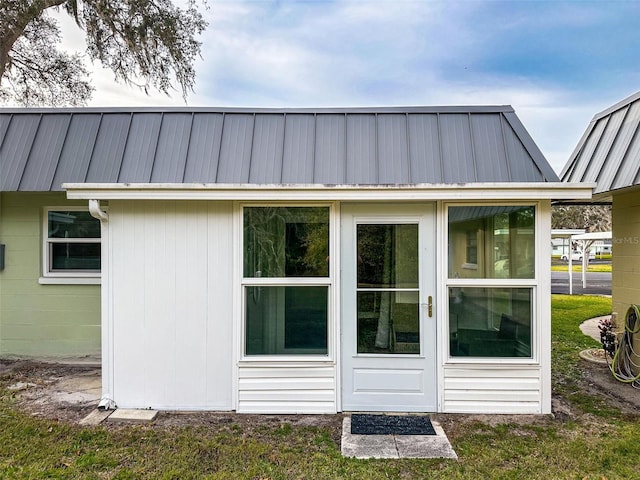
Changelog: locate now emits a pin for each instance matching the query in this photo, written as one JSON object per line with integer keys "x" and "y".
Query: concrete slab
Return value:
{"x": 590, "y": 327}
{"x": 396, "y": 446}
{"x": 425, "y": 446}
{"x": 82, "y": 388}
{"x": 133, "y": 415}
{"x": 96, "y": 417}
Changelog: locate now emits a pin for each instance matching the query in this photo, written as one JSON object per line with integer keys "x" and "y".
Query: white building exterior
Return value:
{"x": 313, "y": 261}
{"x": 174, "y": 299}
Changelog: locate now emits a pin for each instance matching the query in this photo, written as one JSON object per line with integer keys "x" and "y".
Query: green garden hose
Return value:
{"x": 622, "y": 366}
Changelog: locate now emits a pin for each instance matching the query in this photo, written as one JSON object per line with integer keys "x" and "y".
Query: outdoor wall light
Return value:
{"x": 2, "y": 256}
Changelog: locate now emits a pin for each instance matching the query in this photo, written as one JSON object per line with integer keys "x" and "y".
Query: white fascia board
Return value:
{"x": 593, "y": 236}
{"x": 248, "y": 192}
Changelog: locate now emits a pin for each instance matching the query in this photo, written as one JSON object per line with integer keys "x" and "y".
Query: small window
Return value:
{"x": 71, "y": 244}
{"x": 472, "y": 247}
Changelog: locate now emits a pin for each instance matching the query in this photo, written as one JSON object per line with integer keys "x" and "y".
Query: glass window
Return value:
{"x": 286, "y": 320}
{"x": 491, "y": 242}
{"x": 72, "y": 243}
{"x": 387, "y": 291}
{"x": 289, "y": 246}
{"x": 388, "y": 322}
{"x": 490, "y": 322}
{"x": 387, "y": 255}
{"x": 286, "y": 242}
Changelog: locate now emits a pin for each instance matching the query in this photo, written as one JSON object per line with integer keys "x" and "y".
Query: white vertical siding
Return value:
{"x": 172, "y": 304}
{"x": 492, "y": 389}
{"x": 281, "y": 388}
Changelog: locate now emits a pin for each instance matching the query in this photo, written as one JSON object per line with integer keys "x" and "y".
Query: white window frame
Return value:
{"x": 293, "y": 355}
{"x": 71, "y": 276}
{"x": 530, "y": 283}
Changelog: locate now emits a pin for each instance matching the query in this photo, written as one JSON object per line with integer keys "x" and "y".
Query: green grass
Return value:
{"x": 568, "y": 311}
{"x": 598, "y": 443}
{"x": 597, "y": 267}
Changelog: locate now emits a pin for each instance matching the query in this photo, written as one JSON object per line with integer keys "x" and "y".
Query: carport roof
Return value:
{"x": 40, "y": 149}
{"x": 609, "y": 151}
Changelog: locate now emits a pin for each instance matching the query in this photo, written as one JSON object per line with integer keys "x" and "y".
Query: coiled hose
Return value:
{"x": 623, "y": 366}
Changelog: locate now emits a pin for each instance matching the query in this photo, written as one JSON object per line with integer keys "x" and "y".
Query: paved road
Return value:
{"x": 598, "y": 283}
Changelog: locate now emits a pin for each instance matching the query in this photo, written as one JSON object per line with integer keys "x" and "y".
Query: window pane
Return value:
{"x": 387, "y": 256}
{"x": 75, "y": 256}
{"x": 388, "y": 322}
{"x": 491, "y": 242}
{"x": 286, "y": 242}
{"x": 286, "y": 320}
{"x": 74, "y": 224}
{"x": 490, "y": 322}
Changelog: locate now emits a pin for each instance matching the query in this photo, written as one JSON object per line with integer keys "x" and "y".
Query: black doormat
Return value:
{"x": 363, "y": 424}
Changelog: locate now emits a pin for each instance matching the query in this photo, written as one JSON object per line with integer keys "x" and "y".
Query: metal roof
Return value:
{"x": 609, "y": 151}
{"x": 40, "y": 149}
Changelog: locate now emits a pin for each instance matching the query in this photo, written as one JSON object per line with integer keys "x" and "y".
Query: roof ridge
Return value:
{"x": 308, "y": 110}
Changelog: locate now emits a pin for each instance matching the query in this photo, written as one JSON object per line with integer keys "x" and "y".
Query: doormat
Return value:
{"x": 363, "y": 424}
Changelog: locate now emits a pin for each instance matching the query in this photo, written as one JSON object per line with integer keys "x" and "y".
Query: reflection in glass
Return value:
{"x": 387, "y": 256}
{"x": 491, "y": 242}
{"x": 387, "y": 293}
{"x": 286, "y": 320}
{"x": 490, "y": 322}
{"x": 395, "y": 312}
{"x": 286, "y": 242}
{"x": 73, "y": 224}
{"x": 74, "y": 256}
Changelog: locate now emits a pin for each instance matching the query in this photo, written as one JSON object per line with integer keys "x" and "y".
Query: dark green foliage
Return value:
{"x": 147, "y": 43}
{"x": 593, "y": 218}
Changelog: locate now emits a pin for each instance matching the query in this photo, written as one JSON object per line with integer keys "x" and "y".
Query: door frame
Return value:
{"x": 424, "y": 214}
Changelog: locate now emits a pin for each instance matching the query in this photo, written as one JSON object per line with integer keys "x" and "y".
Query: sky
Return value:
{"x": 556, "y": 62}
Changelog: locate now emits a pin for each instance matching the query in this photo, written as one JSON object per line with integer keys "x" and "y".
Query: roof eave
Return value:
{"x": 284, "y": 192}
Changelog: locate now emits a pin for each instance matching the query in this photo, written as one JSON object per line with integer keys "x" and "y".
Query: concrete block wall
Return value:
{"x": 626, "y": 255}
{"x": 59, "y": 321}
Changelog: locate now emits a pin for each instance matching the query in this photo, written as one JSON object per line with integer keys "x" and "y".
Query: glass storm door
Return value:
{"x": 388, "y": 311}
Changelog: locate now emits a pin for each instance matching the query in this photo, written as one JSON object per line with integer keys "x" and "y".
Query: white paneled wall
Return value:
{"x": 172, "y": 304}
{"x": 492, "y": 389}
{"x": 287, "y": 388}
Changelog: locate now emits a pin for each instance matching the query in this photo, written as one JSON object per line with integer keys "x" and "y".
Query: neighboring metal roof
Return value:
{"x": 42, "y": 148}
{"x": 609, "y": 151}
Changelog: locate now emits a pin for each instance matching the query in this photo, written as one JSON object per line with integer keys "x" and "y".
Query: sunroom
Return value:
{"x": 318, "y": 261}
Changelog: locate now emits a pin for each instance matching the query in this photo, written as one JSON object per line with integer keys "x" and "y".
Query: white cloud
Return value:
{"x": 403, "y": 52}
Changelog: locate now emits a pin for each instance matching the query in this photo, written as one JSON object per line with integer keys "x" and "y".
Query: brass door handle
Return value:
{"x": 430, "y": 306}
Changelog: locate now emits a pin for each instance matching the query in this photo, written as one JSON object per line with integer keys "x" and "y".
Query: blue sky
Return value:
{"x": 556, "y": 62}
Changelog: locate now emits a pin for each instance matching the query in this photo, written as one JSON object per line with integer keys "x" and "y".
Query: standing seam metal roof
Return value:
{"x": 42, "y": 148}
{"x": 609, "y": 151}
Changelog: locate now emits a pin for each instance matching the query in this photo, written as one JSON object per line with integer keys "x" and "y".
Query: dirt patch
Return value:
{"x": 59, "y": 391}
{"x": 598, "y": 380}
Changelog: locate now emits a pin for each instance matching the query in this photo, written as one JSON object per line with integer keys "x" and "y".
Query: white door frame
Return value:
{"x": 389, "y": 382}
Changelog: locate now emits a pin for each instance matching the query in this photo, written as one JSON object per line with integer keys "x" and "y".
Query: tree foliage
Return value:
{"x": 592, "y": 218}
{"x": 147, "y": 43}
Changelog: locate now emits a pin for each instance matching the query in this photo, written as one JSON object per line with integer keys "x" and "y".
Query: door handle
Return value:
{"x": 430, "y": 306}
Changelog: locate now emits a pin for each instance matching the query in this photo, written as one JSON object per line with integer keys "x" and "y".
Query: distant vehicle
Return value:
{"x": 577, "y": 255}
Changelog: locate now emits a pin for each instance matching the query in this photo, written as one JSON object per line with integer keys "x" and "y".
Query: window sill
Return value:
{"x": 69, "y": 280}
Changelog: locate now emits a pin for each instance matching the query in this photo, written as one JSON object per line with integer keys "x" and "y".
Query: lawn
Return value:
{"x": 595, "y": 442}
{"x": 595, "y": 267}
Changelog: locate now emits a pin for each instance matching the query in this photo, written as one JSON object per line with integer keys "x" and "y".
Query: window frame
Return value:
{"x": 70, "y": 276}
{"x": 532, "y": 283}
{"x": 295, "y": 355}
